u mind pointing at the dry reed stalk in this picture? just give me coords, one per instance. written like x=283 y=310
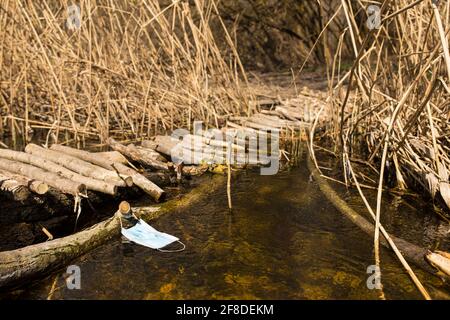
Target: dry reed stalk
x=132 y=66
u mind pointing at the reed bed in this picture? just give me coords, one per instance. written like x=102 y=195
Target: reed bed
x=128 y=69
x=391 y=108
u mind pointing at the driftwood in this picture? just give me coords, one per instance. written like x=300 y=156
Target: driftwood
x=52 y=179
x=138 y=179
x=79 y=166
x=138 y=155
x=37 y=161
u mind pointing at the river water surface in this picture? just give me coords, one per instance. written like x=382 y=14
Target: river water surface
x=282 y=240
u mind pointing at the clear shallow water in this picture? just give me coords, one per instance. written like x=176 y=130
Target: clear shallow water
x=283 y=240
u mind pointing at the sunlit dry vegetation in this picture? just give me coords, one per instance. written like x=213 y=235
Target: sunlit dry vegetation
x=132 y=68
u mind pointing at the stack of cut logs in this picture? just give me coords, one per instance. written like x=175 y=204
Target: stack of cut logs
x=74 y=172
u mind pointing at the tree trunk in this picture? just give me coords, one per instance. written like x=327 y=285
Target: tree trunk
x=18 y=266
x=25 y=264
x=112 y=156
x=146 y=185
x=52 y=179
x=138 y=155
x=162 y=144
x=77 y=165
x=102 y=161
x=90 y=183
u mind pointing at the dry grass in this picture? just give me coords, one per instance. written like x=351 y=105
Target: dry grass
x=392 y=108
x=133 y=68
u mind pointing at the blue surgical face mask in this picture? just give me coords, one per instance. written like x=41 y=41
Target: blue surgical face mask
x=147 y=236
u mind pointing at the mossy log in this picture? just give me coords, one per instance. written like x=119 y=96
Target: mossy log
x=18 y=266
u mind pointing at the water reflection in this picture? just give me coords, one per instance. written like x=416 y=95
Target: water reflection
x=283 y=240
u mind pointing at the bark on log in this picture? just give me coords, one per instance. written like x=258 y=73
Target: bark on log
x=112 y=156
x=37 y=161
x=35 y=186
x=13 y=189
x=77 y=165
x=93 y=158
x=151 y=153
x=162 y=144
x=146 y=185
x=137 y=155
x=142 y=182
x=52 y=179
x=22 y=265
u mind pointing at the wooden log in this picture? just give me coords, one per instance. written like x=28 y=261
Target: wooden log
x=151 y=153
x=412 y=252
x=104 y=162
x=146 y=185
x=52 y=179
x=212 y=143
x=13 y=189
x=23 y=265
x=77 y=165
x=440 y=260
x=142 y=182
x=111 y=156
x=162 y=144
x=35 y=186
x=137 y=155
x=248 y=131
x=90 y=183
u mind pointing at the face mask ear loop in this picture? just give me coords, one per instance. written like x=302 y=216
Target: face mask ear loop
x=174 y=251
